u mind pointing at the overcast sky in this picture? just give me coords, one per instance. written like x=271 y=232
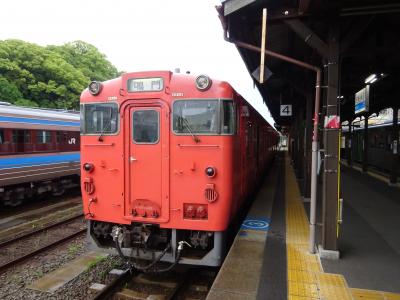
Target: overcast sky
x=136 y=35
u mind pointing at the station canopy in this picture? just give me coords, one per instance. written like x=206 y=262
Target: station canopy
x=369 y=44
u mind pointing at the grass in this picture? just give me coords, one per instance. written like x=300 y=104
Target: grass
x=98 y=259
x=72 y=250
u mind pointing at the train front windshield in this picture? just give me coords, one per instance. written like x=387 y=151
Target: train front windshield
x=207 y=117
x=99 y=118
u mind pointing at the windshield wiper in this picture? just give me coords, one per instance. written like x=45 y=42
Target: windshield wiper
x=187 y=125
x=105 y=128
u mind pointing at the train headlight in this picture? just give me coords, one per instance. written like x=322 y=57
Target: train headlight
x=88 y=167
x=203 y=82
x=95 y=87
x=210 y=172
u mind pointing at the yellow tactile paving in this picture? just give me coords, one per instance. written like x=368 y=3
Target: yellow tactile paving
x=306 y=278
x=303 y=289
x=391 y=296
x=333 y=286
x=360 y=294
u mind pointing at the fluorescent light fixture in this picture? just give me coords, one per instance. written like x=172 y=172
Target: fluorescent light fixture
x=373 y=80
x=370 y=78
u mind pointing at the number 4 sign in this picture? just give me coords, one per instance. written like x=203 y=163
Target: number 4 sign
x=286 y=110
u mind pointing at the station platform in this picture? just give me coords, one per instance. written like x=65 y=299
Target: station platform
x=273 y=262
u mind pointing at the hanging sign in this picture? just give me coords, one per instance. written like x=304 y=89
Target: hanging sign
x=362 y=101
x=286 y=110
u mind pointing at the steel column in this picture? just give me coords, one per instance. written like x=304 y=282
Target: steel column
x=331 y=146
x=350 y=144
x=395 y=146
x=307 y=153
x=365 y=145
x=300 y=132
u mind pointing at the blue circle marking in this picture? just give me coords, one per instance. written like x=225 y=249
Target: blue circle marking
x=255 y=224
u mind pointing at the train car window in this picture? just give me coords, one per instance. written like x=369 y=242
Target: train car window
x=228 y=117
x=196 y=117
x=146 y=126
x=21 y=136
x=1 y=136
x=58 y=137
x=14 y=136
x=43 y=137
x=27 y=136
x=99 y=118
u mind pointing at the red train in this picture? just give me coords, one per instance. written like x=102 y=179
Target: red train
x=168 y=160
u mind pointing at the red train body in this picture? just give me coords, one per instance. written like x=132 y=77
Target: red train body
x=168 y=158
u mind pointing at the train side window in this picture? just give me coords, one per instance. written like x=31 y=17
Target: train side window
x=145 y=126
x=1 y=136
x=58 y=137
x=27 y=136
x=14 y=137
x=43 y=137
x=228 y=117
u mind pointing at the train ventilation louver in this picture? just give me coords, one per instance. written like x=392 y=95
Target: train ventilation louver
x=210 y=193
x=88 y=186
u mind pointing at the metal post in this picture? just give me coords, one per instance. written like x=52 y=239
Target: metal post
x=395 y=146
x=307 y=164
x=365 y=144
x=350 y=143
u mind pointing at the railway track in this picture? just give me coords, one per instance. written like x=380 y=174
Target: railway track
x=15 y=250
x=191 y=284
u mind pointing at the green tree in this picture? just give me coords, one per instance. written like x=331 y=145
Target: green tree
x=9 y=91
x=88 y=59
x=52 y=76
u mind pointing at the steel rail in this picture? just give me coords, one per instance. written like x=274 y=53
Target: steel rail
x=115 y=285
x=37 y=251
x=33 y=232
x=111 y=288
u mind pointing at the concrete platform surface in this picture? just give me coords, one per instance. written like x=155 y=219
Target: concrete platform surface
x=239 y=275
x=56 y=279
x=369 y=242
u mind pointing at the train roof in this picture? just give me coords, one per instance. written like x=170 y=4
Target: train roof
x=41 y=113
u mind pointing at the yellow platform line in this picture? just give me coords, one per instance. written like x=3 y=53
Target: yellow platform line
x=306 y=278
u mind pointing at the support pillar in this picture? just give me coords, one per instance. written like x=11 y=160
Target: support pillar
x=307 y=152
x=350 y=144
x=395 y=146
x=365 y=145
x=331 y=146
x=300 y=132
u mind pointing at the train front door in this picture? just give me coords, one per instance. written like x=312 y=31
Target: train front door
x=148 y=170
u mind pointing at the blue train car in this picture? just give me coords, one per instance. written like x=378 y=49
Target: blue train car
x=39 y=152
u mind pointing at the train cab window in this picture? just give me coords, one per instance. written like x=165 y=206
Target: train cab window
x=99 y=118
x=228 y=117
x=43 y=137
x=196 y=117
x=146 y=126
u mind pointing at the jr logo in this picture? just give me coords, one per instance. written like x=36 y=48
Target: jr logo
x=72 y=141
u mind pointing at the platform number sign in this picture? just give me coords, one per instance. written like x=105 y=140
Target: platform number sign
x=286 y=110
